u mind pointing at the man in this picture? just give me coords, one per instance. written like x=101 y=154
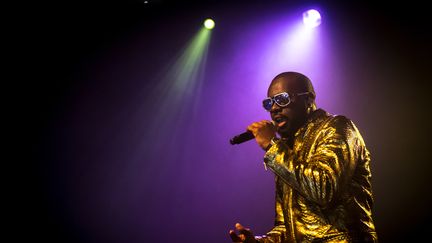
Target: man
x=321 y=167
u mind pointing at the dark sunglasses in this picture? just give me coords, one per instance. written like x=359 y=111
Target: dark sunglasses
x=282 y=99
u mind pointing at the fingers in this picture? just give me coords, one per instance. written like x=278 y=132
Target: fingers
x=239 y=227
x=234 y=236
x=237 y=238
x=245 y=234
x=254 y=127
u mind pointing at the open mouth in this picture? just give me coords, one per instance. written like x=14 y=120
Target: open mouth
x=280 y=121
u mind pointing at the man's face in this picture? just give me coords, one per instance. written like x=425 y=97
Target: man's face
x=290 y=118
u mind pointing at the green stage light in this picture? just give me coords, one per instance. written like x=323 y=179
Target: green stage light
x=178 y=90
x=209 y=24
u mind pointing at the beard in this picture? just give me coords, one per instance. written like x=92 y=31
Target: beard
x=289 y=129
x=286 y=130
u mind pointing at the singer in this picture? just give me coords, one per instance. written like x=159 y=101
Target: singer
x=321 y=167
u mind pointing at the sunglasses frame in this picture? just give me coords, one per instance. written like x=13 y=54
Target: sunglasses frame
x=272 y=99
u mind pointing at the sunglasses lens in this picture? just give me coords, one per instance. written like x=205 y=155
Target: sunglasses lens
x=267 y=104
x=282 y=99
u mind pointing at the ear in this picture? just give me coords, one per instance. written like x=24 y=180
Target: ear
x=311 y=96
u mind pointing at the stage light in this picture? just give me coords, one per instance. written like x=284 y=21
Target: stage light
x=178 y=90
x=209 y=24
x=311 y=18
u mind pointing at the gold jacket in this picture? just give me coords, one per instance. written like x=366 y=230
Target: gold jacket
x=323 y=184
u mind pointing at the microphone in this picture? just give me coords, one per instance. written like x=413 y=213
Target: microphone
x=242 y=137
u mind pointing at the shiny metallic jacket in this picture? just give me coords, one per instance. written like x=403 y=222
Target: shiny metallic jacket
x=323 y=184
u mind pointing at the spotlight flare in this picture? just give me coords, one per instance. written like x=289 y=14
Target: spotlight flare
x=311 y=18
x=209 y=24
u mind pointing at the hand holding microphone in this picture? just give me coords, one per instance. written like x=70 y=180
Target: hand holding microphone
x=262 y=131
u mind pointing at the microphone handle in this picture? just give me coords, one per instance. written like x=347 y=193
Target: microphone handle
x=243 y=137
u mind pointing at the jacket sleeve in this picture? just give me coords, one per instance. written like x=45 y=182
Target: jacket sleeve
x=318 y=174
x=277 y=234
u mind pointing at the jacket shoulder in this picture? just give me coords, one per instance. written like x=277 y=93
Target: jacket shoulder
x=340 y=121
x=341 y=125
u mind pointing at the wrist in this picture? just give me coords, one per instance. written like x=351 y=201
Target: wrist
x=272 y=142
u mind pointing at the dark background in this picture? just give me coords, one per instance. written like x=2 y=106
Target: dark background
x=73 y=85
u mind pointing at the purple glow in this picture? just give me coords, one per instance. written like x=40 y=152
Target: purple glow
x=126 y=166
x=131 y=180
x=311 y=18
